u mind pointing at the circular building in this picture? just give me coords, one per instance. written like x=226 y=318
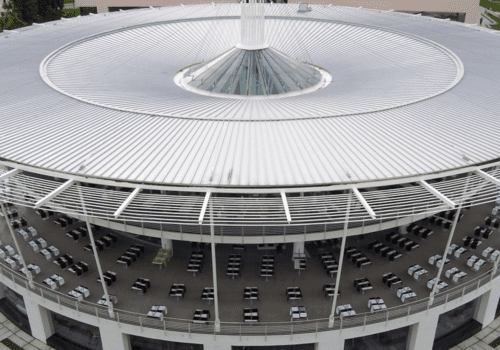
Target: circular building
x=250 y=176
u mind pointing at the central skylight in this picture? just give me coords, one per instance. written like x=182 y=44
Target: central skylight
x=252 y=68
x=252 y=73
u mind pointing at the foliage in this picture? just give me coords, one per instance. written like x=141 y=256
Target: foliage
x=71 y=12
x=50 y=10
x=493 y=5
x=28 y=9
x=10 y=19
x=496 y=26
x=32 y=11
x=11 y=345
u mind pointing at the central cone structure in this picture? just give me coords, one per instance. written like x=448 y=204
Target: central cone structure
x=253 y=73
x=252 y=67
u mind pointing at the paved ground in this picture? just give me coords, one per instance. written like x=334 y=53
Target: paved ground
x=19 y=337
x=482 y=339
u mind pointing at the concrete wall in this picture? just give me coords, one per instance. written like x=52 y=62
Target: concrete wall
x=469 y=7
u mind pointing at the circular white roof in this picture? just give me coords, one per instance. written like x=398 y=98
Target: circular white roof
x=133 y=69
x=108 y=107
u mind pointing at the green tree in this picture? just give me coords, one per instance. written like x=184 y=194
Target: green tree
x=10 y=19
x=37 y=11
x=27 y=9
x=50 y=10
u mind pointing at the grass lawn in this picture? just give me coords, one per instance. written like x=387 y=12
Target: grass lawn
x=496 y=26
x=495 y=6
x=71 y=12
x=9 y=344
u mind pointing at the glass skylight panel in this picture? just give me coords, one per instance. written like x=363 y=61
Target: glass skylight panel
x=254 y=73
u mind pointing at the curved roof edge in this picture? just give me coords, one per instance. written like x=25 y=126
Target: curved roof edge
x=249 y=189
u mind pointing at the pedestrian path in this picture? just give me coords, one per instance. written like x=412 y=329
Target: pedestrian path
x=19 y=337
x=482 y=339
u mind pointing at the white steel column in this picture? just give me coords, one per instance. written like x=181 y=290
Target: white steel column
x=486 y=307
x=98 y=263
x=41 y=324
x=217 y=346
x=495 y=268
x=96 y=257
x=450 y=237
x=253 y=26
x=298 y=248
x=28 y=273
x=167 y=244
x=421 y=335
x=402 y=229
x=341 y=260
x=113 y=338
x=214 y=269
x=334 y=343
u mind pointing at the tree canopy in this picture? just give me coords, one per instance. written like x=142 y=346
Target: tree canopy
x=25 y=12
x=10 y=19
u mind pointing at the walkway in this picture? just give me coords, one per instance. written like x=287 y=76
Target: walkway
x=482 y=340
x=13 y=333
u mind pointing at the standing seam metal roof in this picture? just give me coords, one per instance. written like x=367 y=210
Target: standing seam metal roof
x=288 y=142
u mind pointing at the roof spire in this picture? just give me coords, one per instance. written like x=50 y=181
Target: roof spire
x=253 y=26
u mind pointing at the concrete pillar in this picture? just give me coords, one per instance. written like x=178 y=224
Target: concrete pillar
x=422 y=334
x=41 y=324
x=113 y=338
x=486 y=307
x=402 y=229
x=3 y=288
x=334 y=343
x=167 y=244
x=217 y=346
x=298 y=248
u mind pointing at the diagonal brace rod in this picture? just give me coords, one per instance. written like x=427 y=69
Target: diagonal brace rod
x=287 y=209
x=437 y=194
x=365 y=204
x=54 y=193
x=127 y=201
x=204 y=207
x=488 y=177
x=9 y=174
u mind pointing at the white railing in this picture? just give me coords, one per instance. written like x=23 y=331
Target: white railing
x=240 y=328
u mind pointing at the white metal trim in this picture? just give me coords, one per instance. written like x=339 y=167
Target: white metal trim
x=244 y=189
x=54 y=193
x=487 y=176
x=287 y=209
x=9 y=174
x=204 y=207
x=365 y=204
x=124 y=205
x=438 y=194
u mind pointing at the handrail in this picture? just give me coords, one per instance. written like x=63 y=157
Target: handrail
x=241 y=328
